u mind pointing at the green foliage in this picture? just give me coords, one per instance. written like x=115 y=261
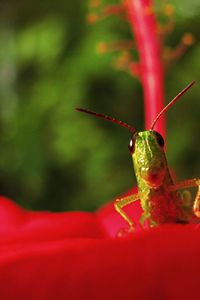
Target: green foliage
x=52 y=157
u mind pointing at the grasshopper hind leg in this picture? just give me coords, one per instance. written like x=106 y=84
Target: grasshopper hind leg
x=196 y=206
x=187 y=184
x=187 y=199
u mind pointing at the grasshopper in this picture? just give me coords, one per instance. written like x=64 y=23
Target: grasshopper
x=159 y=196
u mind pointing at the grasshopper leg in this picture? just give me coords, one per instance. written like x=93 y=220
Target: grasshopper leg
x=147 y=217
x=186 y=184
x=120 y=203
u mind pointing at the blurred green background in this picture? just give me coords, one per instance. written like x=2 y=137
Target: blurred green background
x=54 y=158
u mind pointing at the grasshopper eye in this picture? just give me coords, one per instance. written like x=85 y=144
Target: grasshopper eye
x=159 y=139
x=131 y=145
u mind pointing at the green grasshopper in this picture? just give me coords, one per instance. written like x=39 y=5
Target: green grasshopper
x=160 y=200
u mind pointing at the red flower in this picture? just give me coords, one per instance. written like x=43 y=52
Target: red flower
x=76 y=256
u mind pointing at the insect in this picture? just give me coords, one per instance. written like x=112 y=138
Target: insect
x=160 y=197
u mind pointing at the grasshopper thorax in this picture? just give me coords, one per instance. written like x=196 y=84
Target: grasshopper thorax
x=149 y=159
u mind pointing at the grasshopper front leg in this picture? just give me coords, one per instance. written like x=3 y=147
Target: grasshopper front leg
x=187 y=184
x=120 y=203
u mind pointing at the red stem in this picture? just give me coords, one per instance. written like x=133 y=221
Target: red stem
x=143 y=23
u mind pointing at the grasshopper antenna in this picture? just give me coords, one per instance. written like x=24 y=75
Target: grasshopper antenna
x=113 y=120
x=172 y=103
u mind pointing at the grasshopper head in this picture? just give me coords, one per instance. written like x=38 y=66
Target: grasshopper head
x=149 y=159
x=146 y=147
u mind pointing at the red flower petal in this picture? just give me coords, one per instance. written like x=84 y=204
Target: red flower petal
x=68 y=256
x=19 y=223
